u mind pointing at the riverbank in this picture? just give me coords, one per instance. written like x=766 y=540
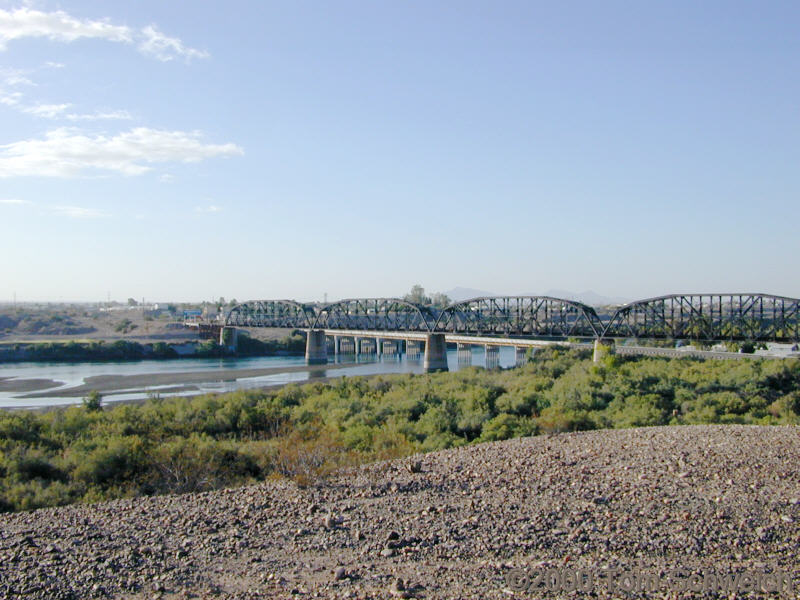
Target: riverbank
x=111 y=383
x=71 y=351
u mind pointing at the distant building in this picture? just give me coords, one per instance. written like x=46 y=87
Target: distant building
x=192 y=316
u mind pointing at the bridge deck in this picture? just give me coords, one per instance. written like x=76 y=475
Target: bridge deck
x=451 y=338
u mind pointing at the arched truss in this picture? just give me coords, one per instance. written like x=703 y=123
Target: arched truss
x=709 y=317
x=271 y=313
x=521 y=315
x=376 y=314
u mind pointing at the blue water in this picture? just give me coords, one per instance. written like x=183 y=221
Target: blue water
x=72 y=374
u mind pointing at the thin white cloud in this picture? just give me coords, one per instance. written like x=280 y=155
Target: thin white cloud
x=164 y=48
x=77 y=212
x=16 y=77
x=61 y=27
x=207 y=209
x=48 y=111
x=117 y=115
x=18 y=80
x=56 y=111
x=10 y=98
x=59 y=210
x=56 y=26
x=54 y=65
x=166 y=178
x=65 y=153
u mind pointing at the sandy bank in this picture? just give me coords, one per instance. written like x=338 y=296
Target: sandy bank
x=108 y=384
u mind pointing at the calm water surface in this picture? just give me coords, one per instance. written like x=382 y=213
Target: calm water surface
x=72 y=374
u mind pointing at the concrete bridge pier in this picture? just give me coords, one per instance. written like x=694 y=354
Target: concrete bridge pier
x=412 y=348
x=337 y=345
x=378 y=347
x=435 y=353
x=521 y=354
x=229 y=338
x=492 y=356
x=464 y=354
x=316 y=347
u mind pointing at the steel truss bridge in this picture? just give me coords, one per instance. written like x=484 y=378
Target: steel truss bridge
x=698 y=317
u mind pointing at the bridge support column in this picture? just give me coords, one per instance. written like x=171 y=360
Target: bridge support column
x=521 y=353
x=378 y=349
x=316 y=348
x=412 y=349
x=337 y=345
x=229 y=338
x=435 y=353
x=492 y=356
x=464 y=354
x=602 y=348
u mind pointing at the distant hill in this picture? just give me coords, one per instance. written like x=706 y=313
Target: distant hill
x=589 y=297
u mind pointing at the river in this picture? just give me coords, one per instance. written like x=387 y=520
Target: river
x=187 y=376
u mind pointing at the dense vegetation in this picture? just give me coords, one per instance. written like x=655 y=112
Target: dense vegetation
x=73 y=351
x=91 y=452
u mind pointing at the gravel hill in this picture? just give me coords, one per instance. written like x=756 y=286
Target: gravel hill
x=451 y=524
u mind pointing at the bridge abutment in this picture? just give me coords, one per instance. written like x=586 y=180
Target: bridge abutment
x=229 y=338
x=435 y=353
x=316 y=347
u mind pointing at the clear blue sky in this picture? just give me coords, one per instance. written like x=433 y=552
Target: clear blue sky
x=189 y=150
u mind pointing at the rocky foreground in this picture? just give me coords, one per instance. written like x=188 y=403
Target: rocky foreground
x=653 y=512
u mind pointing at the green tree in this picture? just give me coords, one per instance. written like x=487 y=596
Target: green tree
x=417 y=295
x=440 y=300
x=93 y=402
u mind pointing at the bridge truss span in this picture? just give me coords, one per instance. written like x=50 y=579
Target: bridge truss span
x=753 y=317
x=375 y=314
x=543 y=316
x=272 y=313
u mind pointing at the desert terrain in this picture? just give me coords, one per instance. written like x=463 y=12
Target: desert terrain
x=673 y=504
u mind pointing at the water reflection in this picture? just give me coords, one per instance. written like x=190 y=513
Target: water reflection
x=365 y=364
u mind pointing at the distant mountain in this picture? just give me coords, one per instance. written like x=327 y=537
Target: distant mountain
x=589 y=297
